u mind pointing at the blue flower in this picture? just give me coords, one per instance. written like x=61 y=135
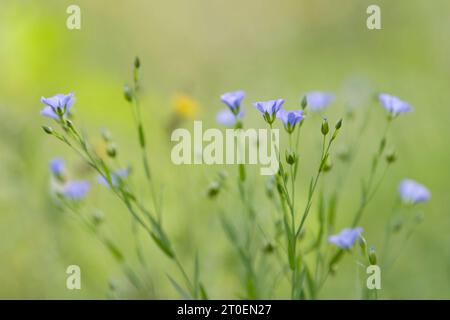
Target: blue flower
x=269 y=109
x=58 y=104
x=290 y=118
x=75 y=190
x=57 y=166
x=393 y=104
x=233 y=100
x=346 y=238
x=317 y=100
x=116 y=177
x=227 y=118
x=413 y=192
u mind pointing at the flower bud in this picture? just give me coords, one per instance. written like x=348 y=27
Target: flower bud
x=213 y=189
x=269 y=247
x=47 y=130
x=111 y=150
x=372 y=256
x=328 y=165
x=304 y=102
x=325 y=128
x=391 y=156
x=69 y=124
x=137 y=62
x=338 y=124
x=291 y=157
x=128 y=93
x=363 y=244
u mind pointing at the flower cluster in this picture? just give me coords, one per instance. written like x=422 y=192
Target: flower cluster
x=291 y=239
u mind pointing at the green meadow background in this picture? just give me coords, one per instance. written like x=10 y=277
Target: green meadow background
x=200 y=49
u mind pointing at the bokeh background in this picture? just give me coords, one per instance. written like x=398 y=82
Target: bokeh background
x=191 y=52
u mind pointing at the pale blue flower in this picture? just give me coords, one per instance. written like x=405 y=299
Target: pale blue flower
x=393 y=104
x=318 y=100
x=227 y=118
x=56 y=166
x=413 y=192
x=75 y=190
x=116 y=177
x=290 y=118
x=233 y=100
x=346 y=238
x=269 y=109
x=61 y=103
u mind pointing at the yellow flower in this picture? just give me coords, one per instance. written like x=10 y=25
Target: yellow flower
x=184 y=105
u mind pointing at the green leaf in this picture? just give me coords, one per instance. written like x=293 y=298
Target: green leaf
x=203 y=293
x=141 y=135
x=196 y=277
x=183 y=293
x=114 y=250
x=163 y=246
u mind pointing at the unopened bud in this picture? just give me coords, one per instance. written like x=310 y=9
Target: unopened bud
x=338 y=125
x=372 y=256
x=47 y=130
x=137 y=63
x=391 y=157
x=325 y=128
x=304 y=102
x=328 y=165
x=269 y=247
x=291 y=157
x=128 y=94
x=213 y=189
x=111 y=150
x=69 y=124
x=363 y=244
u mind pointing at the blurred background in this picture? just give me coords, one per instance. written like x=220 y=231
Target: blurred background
x=192 y=52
